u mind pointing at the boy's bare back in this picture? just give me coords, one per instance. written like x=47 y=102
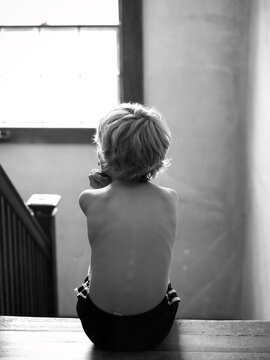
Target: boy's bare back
x=131 y=229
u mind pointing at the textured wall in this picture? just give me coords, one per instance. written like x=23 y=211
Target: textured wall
x=256 y=294
x=195 y=63
x=195 y=56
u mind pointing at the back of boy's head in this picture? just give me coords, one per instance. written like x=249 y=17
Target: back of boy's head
x=132 y=141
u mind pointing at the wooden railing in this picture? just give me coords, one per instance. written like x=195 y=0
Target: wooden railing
x=27 y=255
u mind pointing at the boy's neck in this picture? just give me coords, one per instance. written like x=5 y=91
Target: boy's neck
x=129 y=183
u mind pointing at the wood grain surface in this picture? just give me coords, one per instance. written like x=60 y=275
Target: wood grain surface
x=63 y=338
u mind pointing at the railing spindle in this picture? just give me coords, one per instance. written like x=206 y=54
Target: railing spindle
x=10 y=261
x=2 y=275
x=20 y=265
x=16 y=262
x=5 y=258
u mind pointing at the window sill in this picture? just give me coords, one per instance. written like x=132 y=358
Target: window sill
x=47 y=135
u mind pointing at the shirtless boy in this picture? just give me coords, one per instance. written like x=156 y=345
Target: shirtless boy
x=127 y=302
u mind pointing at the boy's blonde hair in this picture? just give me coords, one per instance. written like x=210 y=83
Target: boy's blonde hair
x=132 y=141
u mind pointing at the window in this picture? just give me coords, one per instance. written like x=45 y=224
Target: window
x=63 y=63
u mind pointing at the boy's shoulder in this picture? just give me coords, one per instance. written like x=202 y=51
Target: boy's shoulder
x=167 y=192
x=90 y=196
x=170 y=191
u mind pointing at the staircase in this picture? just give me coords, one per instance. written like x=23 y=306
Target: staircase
x=27 y=252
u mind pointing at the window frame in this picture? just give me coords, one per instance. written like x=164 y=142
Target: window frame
x=130 y=81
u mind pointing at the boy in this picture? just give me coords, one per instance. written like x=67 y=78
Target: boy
x=128 y=303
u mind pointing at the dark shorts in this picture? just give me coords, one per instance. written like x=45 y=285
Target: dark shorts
x=128 y=332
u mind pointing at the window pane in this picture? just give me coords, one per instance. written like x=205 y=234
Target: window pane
x=57 y=78
x=59 y=12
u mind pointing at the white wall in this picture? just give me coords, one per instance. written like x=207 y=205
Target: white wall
x=195 y=66
x=256 y=295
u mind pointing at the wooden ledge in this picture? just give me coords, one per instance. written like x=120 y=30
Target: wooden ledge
x=52 y=338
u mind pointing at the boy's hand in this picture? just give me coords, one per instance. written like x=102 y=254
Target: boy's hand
x=98 y=180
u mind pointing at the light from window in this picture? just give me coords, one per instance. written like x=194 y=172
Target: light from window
x=59 y=12
x=57 y=76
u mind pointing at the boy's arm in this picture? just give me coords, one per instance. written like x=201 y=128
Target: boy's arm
x=97 y=180
x=175 y=200
x=173 y=194
x=84 y=200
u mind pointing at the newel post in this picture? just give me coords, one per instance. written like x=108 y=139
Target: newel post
x=44 y=208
